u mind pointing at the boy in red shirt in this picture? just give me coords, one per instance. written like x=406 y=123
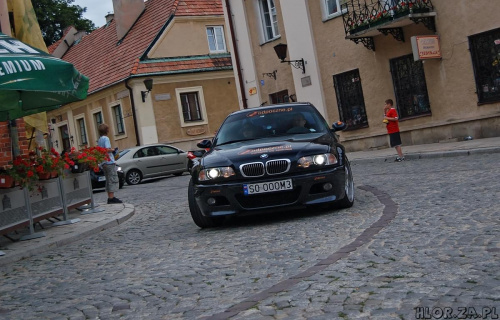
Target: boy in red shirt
x=391 y=120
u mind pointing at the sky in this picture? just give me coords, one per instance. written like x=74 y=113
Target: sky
x=96 y=10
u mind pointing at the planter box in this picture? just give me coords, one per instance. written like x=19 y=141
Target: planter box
x=6 y=182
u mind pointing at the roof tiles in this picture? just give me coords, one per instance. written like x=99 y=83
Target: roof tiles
x=101 y=57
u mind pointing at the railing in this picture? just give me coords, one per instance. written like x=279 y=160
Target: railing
x=365 y=14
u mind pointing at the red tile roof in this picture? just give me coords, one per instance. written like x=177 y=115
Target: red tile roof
x=186 y=64
x=100 y=57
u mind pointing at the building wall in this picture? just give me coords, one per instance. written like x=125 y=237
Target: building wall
x=220 y=99
x=450 y=80
x=101 y=101
x=176 y=44
x=451 y=87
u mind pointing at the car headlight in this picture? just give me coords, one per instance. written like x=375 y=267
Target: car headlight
x=215 y=173
x=317 y=160
x=118 y=168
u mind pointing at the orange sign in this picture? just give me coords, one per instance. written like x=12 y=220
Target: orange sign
x=252 y=91
x=426 y=47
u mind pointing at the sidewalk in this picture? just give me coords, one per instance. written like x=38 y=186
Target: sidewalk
x=113 y=215
x=433 y=150
x=58 y=236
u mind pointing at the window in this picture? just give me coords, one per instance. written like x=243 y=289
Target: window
x=410 y=87
x=350 y=99
x=215 y=37
x=190 y=106
x=269 y=19
x=118 y=117
x=97 y=121
x=332 y=8
x=82 y=132
x=485 y=52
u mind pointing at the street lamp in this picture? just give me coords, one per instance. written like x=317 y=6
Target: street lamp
x=148 y=83
x=280 y=50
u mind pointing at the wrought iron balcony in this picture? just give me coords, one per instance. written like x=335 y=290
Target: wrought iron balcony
x=364 y=19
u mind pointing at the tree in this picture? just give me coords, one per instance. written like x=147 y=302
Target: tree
x=54 y=16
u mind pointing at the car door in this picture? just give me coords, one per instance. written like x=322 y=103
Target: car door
x=145 y=161
x=175 y=160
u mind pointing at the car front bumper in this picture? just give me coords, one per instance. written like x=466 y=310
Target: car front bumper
x=308 y=189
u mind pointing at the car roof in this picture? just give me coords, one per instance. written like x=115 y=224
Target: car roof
x=274 y=106
x=149 y=145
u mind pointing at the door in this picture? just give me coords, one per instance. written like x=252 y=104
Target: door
x=173 y=159
x=350 y=99
x=279 y=97
x=64 y=134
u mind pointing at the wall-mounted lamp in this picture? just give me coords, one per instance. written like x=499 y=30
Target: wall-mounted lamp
x=53 y=120
x=71 y=139
x=148 y=83
x=281 y=53
x=271 y=74
x=56 y=143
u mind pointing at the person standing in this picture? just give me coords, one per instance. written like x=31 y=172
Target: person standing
x=392 y=123
x=109 y=166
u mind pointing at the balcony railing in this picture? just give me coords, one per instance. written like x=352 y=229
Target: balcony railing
x=362 y=15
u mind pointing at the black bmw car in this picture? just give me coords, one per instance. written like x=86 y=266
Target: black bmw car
x=269 y=158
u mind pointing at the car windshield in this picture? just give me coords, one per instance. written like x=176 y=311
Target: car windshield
x=266 y=123
x=121 y=153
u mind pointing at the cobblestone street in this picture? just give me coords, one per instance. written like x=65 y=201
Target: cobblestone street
x=422 y=233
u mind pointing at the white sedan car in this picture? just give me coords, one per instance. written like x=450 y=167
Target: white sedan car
x=151 y=161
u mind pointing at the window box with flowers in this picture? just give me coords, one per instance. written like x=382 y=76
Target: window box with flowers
x=27 y=170
x=85 y=159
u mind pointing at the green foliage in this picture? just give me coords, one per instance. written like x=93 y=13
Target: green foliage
x=56 y=15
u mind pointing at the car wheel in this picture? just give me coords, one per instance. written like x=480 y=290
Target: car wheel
x=133 y=177
x=348 y=199
x=198 y=218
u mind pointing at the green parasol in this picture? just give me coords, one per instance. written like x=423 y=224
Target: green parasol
x=32 y=81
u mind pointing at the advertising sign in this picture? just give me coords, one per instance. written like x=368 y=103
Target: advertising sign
x=426 y=47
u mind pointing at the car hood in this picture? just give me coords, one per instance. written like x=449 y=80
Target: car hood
x=292 y=147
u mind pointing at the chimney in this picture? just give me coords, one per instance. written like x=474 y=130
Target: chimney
x=126 y=13
x=109 y=17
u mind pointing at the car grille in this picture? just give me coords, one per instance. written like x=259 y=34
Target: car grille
x=256 y=169
x=277 y=166
x=268 y=199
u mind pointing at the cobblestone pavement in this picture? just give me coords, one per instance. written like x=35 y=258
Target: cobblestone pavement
x=422 y=233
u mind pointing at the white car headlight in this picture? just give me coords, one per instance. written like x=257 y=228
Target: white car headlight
x=214 y=173
x=318 y=160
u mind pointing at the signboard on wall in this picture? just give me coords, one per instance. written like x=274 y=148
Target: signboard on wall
x=426 y=47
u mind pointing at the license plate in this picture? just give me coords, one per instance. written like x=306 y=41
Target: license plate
x=264 y=187
x=102 y=178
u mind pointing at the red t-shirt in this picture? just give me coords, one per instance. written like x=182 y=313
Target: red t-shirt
x=392 y=126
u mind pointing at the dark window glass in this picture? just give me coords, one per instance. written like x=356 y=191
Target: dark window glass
x=350 y=100
x=117 y=110
x=83 y=133
x=190 y=106
x=410 y=87
x=485 y=52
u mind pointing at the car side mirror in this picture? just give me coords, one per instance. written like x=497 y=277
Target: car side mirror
x=204 y=144
x=339 y=126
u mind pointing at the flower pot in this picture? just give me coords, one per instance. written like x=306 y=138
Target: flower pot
x=44 y=176
x=6 y=181
x=79 y=167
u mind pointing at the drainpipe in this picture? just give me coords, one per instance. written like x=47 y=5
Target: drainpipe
x=236 y=56
x=136 y=129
